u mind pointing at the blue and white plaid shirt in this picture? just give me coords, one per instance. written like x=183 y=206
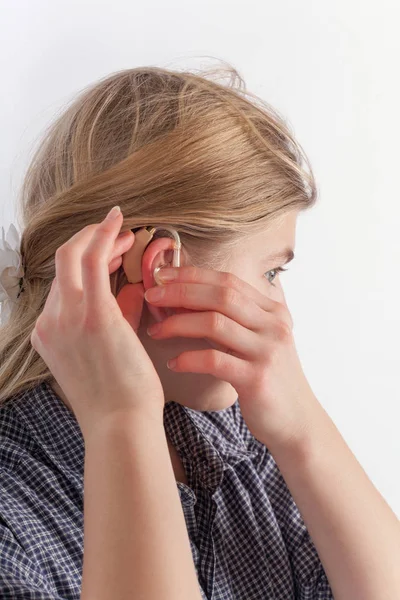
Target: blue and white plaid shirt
x=247 y=536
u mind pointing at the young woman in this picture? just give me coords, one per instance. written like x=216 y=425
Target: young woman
x=220 y=476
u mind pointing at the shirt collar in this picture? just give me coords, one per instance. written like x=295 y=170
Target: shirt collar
x=210 y=440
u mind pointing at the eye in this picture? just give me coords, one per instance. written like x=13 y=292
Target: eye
x=275 y=272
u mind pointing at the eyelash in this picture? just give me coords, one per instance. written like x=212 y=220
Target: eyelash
x=278 y=270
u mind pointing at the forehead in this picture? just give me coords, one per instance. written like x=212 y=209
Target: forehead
x=279 y=233
x=258 y=249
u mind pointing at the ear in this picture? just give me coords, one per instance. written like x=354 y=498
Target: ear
x=158 y=253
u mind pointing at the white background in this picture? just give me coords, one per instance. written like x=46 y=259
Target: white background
x=331 y=68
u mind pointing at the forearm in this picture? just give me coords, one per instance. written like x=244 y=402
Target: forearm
x=135 y=538
x=355 y=532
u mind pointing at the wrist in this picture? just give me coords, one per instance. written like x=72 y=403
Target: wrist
x=124 y=421
x=315 y=431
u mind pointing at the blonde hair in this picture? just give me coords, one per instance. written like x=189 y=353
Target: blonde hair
x=170 y=147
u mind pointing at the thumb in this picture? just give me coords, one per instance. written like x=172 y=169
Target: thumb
x=130 y=300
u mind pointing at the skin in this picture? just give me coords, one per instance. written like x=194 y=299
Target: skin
x=202 y=391
x=87 y=337
x=250 y=322
x=255 y=265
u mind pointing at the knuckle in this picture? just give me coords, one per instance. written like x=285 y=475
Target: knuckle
x=33 y=339
x=282 y=330
x=283 y=314
x=105 y=225
x=226 y=295
x=39 y=325
x=214 y=360
x=63 y=252
x=90 y=227
x=228 y=279
x=183 y=292
x=217 y=321
x=39 y=330
x=90 y=259
x=192 y=273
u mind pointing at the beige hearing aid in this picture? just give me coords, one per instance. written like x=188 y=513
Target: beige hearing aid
x=132 y=260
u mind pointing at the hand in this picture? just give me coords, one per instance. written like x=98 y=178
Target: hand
x=257 y=357
x=88 y=338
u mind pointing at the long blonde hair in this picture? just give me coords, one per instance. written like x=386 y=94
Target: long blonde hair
x=170 y=147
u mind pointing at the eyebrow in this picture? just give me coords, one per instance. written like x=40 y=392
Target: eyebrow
x=286 y=254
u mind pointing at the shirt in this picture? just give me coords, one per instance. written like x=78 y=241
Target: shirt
x=247 y=536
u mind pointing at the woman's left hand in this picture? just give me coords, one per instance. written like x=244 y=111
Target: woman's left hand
x=258 y=356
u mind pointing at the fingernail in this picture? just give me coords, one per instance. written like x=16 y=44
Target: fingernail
x=171 y=363
x=154 y=328
x=167 y=274
x=154 y=294
x=114 y=212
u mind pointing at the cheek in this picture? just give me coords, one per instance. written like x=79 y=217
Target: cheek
x=275 y=293
x=279 y=293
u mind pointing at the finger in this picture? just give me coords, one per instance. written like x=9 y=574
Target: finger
x=95 y=260
x=235 y=371
x=225 y=300
x=122 y=244
x=191 y=274
x=68 y=262
x=212 y=325
x=114 y=264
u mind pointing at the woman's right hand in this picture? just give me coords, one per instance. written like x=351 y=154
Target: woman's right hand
x=88 y=338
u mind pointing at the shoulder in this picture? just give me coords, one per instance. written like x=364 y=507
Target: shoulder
x=19 y=468
x=16 y=440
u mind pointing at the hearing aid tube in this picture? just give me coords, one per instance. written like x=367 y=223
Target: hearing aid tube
x=132 y=259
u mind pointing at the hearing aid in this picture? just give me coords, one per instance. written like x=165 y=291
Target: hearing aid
x=132 y=259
